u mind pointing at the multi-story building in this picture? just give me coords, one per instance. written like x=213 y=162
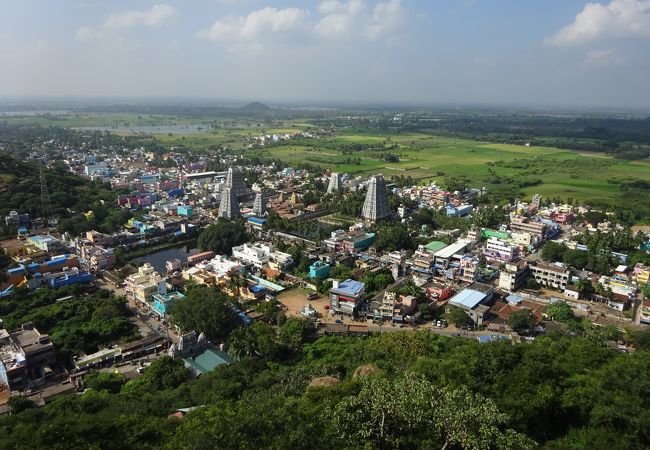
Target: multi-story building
x=162 y=303
x=550 y=275
x=346 y=296
x=500 y=250
x=514 y=275
x=142 y=285
x=260 y=255
x=350 y=241
x=26 y=357
x=422 y=260
x=524 y=224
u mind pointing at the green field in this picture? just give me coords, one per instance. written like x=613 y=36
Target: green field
x=563 y=173
x=549 y=171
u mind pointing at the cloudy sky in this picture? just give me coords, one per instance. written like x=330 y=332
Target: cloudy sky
x=532 y=52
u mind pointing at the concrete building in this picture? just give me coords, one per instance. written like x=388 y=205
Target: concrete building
x=229 y=204
x=260 y=255
x=46 y=243
x=500 y=250
x=319 y=269
x=474 y=301
x=26 y=357
x=334 y=183
x=350 y=241
x=346 y=296
x=524 y=224
x=514 y=275
x=162 y=303
x=550 y=275
x=142 y=285
x=376 y=206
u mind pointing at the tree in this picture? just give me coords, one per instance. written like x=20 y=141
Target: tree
x=470 y=421
x=521 y=320
x=294 y=332
x=19 y=403
x=163 y=373
x=222 y=236
x=208 y=310
x=394 y=237
x=563 y=313
x=553 y=251
x=260 y=339
x=458 y=317
x=104 y=381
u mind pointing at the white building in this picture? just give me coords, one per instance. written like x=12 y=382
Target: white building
x=260 y=255
x=501 y=250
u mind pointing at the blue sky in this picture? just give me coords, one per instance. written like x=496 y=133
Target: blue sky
x=521 y=52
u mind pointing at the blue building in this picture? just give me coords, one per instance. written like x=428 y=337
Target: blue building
x=162 y=303
x=185 y=210
x=319 y=270
x=71 y=278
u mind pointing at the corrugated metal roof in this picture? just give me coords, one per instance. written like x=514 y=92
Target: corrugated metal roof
x=467 y=298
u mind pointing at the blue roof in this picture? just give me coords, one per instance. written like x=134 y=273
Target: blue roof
x=467 y=298
x=257 y=288
x=257 y=220
x=350 y=287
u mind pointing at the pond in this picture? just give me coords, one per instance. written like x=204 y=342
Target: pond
x=159 y=258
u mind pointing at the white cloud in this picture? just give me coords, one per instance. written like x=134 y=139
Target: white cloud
x=619 y=18
x=157 y=16
x=337 y=19
x=603 y=58
x=386 y=17
x=262 y=24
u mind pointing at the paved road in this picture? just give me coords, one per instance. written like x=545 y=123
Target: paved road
x=140 y=315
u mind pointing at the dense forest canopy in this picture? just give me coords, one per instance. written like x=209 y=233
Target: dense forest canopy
x=558 y=392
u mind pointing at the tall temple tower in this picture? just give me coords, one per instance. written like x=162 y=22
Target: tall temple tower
x=376 y=206
x=235 y=181
x=335 y=183
x=259 y=206
x=229 y=205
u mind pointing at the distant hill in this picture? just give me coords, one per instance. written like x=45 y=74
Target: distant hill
x=255 y=107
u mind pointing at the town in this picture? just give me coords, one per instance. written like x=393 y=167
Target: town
x=346 y=254
x=328 y=224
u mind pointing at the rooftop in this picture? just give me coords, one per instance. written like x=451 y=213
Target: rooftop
x=208 y=360
x=452 y=249
x=470 y=297
x=349 y=287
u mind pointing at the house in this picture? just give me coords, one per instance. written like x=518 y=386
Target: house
x=550 y=275
x=473 y=300
x=26 y=357
x=459 y=211
x=346 y=296
x=46 y=243
x=514 y=275
x=162 y=303
x=319 y=269
x=260 y=254
x=500 y=250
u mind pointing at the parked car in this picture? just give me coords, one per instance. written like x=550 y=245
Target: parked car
x=312 y=296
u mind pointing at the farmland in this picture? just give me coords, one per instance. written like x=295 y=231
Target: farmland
x=506 y=168
x=553 y=172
